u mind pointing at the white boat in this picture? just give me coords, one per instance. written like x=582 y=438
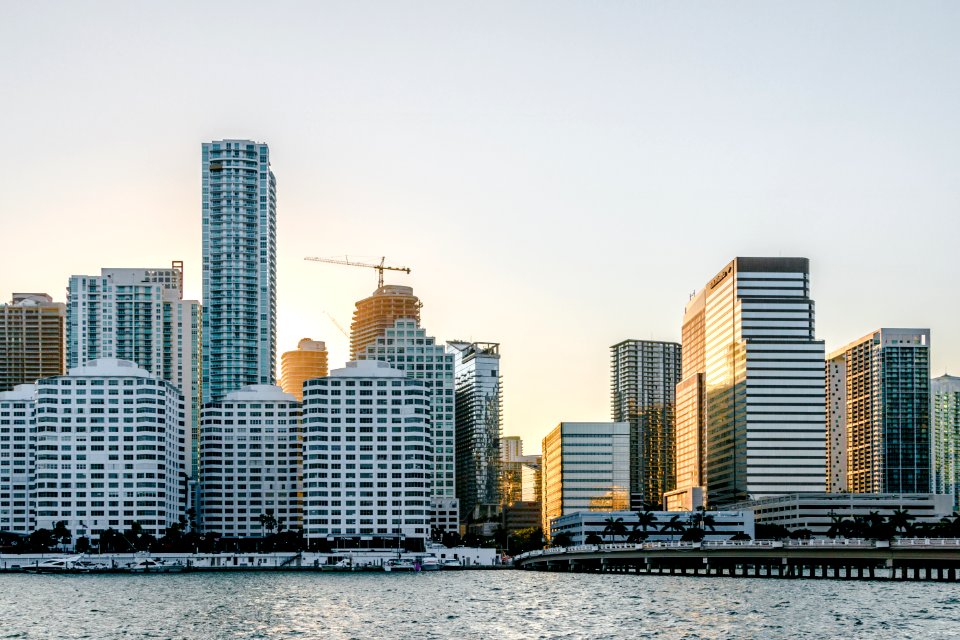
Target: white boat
x=429 y=563
x=59 y=564
x=155 y=565
x=451 y=564
x=399 y=565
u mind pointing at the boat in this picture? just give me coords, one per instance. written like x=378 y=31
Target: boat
x=61 y=564
x=450 y=564
x=429 y=563
x=399 y=565
x=155 y=565
x=342 y=565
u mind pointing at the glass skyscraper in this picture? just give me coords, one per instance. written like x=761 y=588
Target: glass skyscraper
x=239 y=267
x=946 y=436
x=644 y=376
x=753 y=384
x=879 y=413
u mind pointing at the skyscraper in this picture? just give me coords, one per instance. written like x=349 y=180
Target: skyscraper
x=407 y=347
x=18 y=433
x=879 y=413
x=752 y=392
x=946 y=436
x=307 y=362
x=478 y=423
x=139 y=315
x=239 y=267
x=376 y=314
x=31 y=339
x=585 y=467
x=644 y=376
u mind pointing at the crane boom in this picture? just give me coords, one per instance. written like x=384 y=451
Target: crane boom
x=350 y=263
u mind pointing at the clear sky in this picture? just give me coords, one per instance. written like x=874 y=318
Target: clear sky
x=559 y=175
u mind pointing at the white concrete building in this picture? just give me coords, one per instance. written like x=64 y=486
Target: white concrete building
x=17 y=434
x=407 y=347
x=367 y=459
x=110 y=450
x=717 y=525
x=945 y=392
x=250 y=461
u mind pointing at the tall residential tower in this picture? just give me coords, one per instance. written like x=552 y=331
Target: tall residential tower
x=946 y=436
x=31 y=339
x=307 y=362
x=239 y=267
x=376 y=314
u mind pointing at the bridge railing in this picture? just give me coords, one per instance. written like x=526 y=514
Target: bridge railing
x=926 y=542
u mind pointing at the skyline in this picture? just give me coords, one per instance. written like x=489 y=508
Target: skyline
x=853 y=139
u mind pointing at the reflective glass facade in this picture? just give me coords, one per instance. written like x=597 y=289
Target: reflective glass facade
x=239 y=267
x=883 y=422
x=946 y=436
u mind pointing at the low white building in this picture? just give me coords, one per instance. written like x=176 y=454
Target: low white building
x=815 y=511
x=367 y=454
x=17 y=434
x=111 y=450
x=250 y=462
x=663 y=526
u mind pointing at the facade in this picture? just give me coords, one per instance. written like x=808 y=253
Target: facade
x=521 y=515
x=407 y=347
x=723 y=525
x=879 y=413
x=750 y=332
x=110 y=450
x=945 y=391
x=478 y=423
x=690 y=428
x=250 y=462
x=512 y=460
x=139 y=315
x=367 y=454
x=586 y=467
x=31 y=339
x=531 y=481
x=239 y=267
x=815 y=511
x=17 y=459
x=644 y=377
x=307 y=362
x=374 y=315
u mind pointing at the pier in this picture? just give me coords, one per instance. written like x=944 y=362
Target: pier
x=933 y=559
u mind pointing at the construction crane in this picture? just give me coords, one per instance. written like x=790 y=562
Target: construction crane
x=336 y=324
x=379 y=267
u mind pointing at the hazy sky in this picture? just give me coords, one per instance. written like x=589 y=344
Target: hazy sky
x=559 y=175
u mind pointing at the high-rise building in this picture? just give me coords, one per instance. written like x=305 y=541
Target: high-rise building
x=31 y=339
x=945 y=391
x=250 y=462
x=750 y=419
x=644 y=377
x=17 y=459
x=367 y=459
x=478 y=423
x=531 y=480
x=512 y=460
x=139 y=315
x=110 y=450
x=239 y=267
x=586 y=467
x=407 y=347
x=307 y=362
x=879 y=413
x=376 y=314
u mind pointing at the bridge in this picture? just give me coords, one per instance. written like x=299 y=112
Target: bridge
x=855 y=559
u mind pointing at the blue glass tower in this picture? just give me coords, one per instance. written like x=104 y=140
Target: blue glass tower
x=239 y=267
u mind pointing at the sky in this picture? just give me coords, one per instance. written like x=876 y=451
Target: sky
x=560 y=176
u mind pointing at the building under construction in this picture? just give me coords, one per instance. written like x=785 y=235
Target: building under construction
x=309 y=361
x=376 y=314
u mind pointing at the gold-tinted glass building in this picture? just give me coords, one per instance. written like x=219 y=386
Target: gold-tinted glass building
x=376 y=314
x=32 y=344
x=307 y=362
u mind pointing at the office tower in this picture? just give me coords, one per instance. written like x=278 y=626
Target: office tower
x=139 y=315
x=367 y=463
x=407 y=347
x=250 y=462
x=531 y=480
x=945 y=391
x=879 y=413
x=512 y=460
x=376 y=314
x=307 y=362
x=31 y=339
x=478 y=423
x=757 y=406
x=110 y=450
x=511 y=448
x=17 y=461
x=586 y=467
x=644 y=377
x=239 y=267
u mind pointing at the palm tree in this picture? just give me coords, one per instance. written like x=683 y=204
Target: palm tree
x=593 y=538
x=561 y=540
x=900 y=519
x=673 y=526
x=646 y=520
x=615 y=527
x=709 y=522
x=836 y=525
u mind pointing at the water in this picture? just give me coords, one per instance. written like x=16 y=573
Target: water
x=469 y=604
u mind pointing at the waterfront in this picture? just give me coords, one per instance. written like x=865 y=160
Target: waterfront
x=501 y=604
